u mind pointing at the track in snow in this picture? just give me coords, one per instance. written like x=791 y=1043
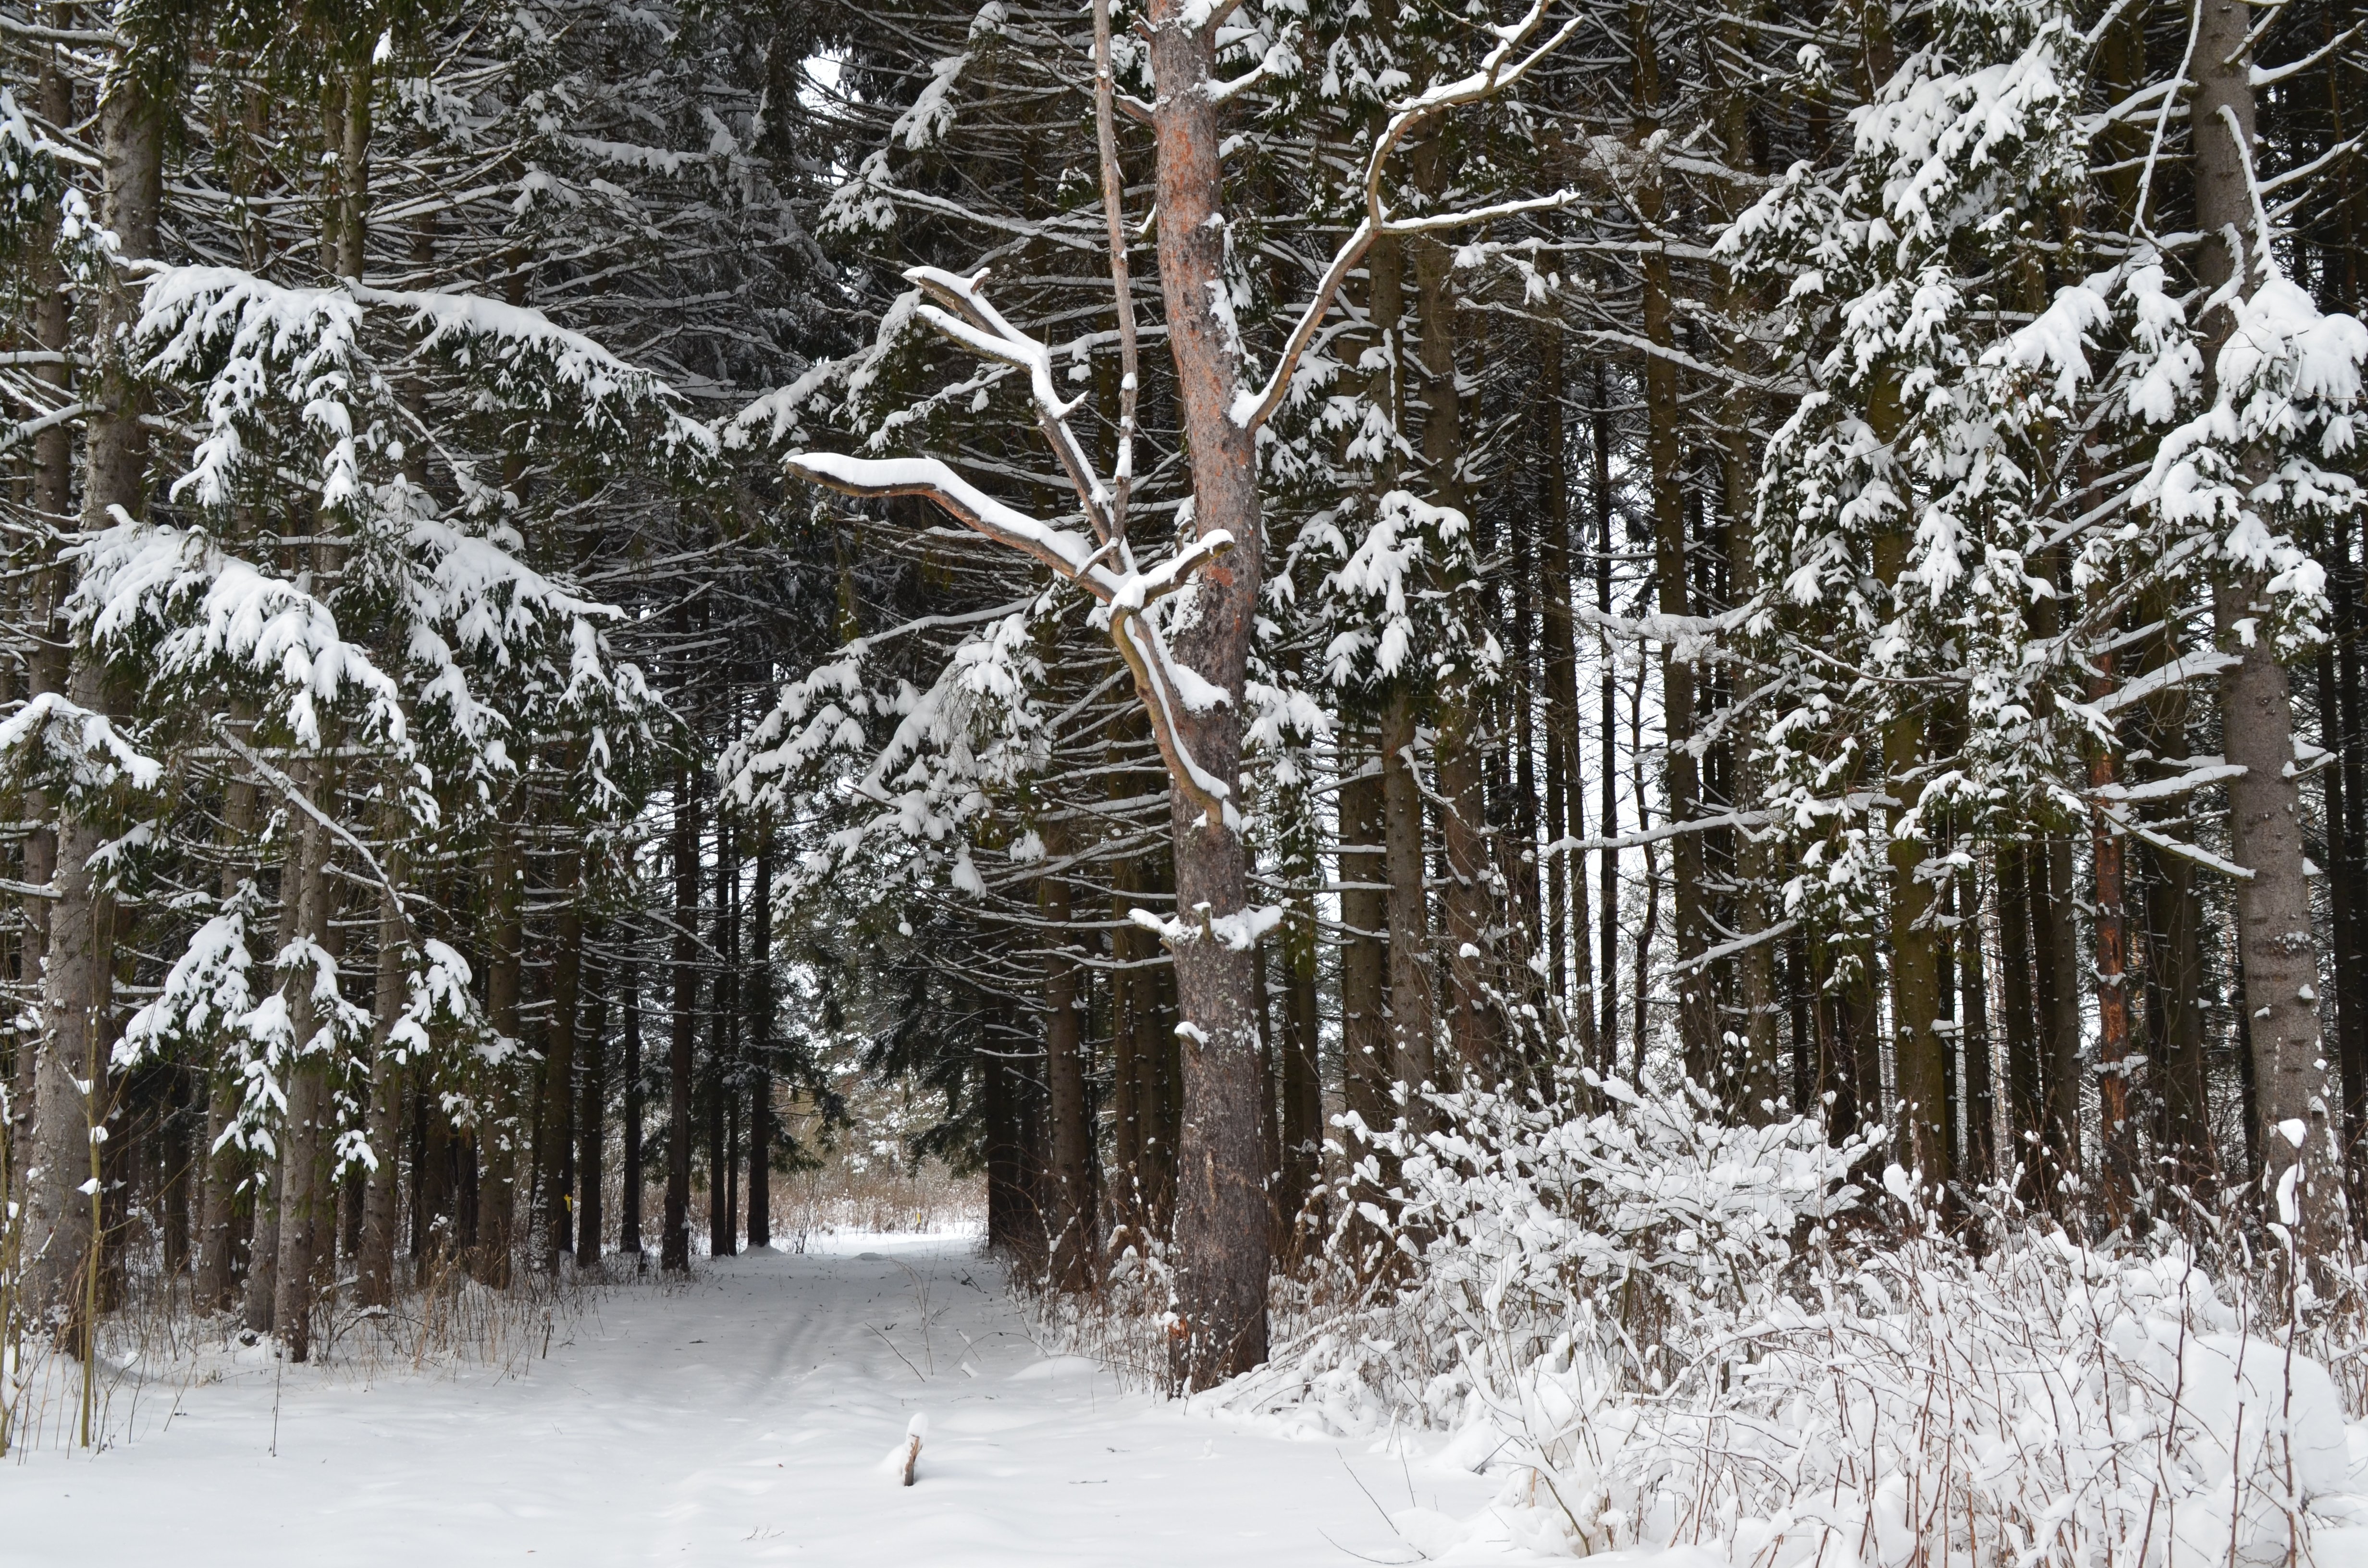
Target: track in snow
x=743 y=1418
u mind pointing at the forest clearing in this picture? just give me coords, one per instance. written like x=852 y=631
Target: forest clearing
x=1184 y=780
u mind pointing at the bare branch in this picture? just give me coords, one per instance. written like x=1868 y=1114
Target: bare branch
x=1497 y=72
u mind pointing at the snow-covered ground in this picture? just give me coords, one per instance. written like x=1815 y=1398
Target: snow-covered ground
x=745 y=1418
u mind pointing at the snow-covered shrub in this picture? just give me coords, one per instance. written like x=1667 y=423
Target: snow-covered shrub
x=1523 y=1224
x=1664 y=1330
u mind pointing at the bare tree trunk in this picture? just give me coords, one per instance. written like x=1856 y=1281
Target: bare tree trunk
x=497 y=1140
x=1607 y=815
x=307 y=1205
x=1366 y=1039
x=591 y=1129
x=1412 y=1032
x=222 y=1165
x=2056 y=948
x=1221 y=1239
x=45 y=655
x=723 y=1097
x=760 y=1049
x=1566 y=782
x=1064 y=1066
x=1981 y=1098
x=1302 y=1066
x=374 y=1270
x=1665 y=451
x=674 y=1240
x=70 y=1090
x=628 y=1196
x=2117 y=1131
x=551 y=1131
x=1466 y=893
x=1917 y=1045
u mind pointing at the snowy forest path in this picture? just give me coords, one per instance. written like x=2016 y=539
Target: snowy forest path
x=742 y=1417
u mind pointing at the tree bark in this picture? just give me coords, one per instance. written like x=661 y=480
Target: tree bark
x=1221 y=1239
x=674 y=1239
x=307 y=1200
x=1665 y=454
x=551 y=1131
x=1607 y=815
x=2302 y=1188
x=1366 y=1038
x=628 y=1196
x=2056 y=945
x=497 y=1140
x=1065 y=1066
x=374 y=1270
x=1566 y=783
x=1413 y=1031
x=724 y=1067
x=760 y=1048
x=591 y=1113
x=1302 y=1066
x=70 y=1091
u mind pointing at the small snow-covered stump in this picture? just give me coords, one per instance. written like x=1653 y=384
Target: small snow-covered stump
x=907 y=1454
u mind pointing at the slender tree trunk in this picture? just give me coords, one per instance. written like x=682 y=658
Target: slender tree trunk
x=1065 y=1066
x=1981 y=1098
x=1129 y=994
x=1607 y=815
x=2348 y=879
x=1220 y=1240
x=1302 y=1065
x=2117 y=1063
x=497 y=1143
x=760 y=1048
x=1366 y=1039
x=628 y=1196
x=1918 y=1049
x=374 y=1270
x=2026 y=1112
x=1665 y=452
x=307 y=1204
x=1412 y=1032
x=1568 y=777
x=45 y=655
x=2055 y=946
x=591 y=1111
x=722 y=1164
x=2273 y=919
x=551 y=1131
x=70 y=1086
x=674 y=1239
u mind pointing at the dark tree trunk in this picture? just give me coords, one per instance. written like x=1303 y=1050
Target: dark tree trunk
x=374 y=1266
x=723 y=1068
x=630 y=1179
x=497 y=1163
x=760 y=1048
x=1072 y=1216
x=1412 y=1032
x=307 y=1201
x=2025 y=1094
x=552 y=1129
x=1607 y=815
x=1365 y=1036
x=1980 y=1165
x=674 y=1240
x=591 y=1111
x=2054 y=944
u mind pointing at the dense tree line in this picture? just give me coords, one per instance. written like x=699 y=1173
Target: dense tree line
x=1809 y=550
